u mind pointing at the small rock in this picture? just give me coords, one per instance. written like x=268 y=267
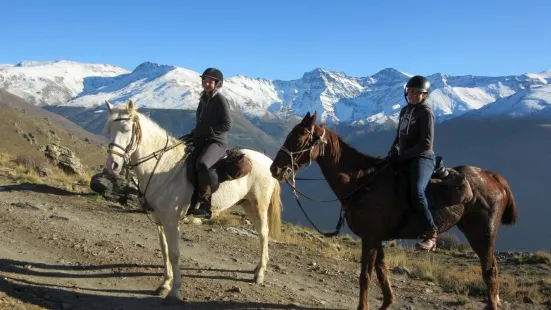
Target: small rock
x=234 y=289
x=528 y=300
x=57 y=217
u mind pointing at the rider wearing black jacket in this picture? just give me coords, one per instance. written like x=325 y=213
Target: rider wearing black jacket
x=413 y=149
x=210 y=137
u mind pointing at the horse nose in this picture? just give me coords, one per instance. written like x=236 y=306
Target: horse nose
x=275 y=170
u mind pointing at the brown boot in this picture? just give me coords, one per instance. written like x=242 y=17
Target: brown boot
x=428 y=243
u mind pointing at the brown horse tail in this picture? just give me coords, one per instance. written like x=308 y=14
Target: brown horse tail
x=274 y=212
x=510 y=214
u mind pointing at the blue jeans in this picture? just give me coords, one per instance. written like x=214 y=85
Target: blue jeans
x=419 y=171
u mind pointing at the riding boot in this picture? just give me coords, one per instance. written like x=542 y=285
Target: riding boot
x=204 y=195
x=428 y=243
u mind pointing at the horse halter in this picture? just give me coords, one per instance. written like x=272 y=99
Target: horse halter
x=294 y=161
x=134 y=140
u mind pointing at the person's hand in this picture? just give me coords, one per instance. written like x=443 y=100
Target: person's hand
x=394 y=156
x=187 y=138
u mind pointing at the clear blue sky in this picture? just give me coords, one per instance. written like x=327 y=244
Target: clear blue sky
x=283 y=39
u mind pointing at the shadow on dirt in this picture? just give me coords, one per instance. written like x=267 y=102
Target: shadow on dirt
x=54 y=296
x=42 y=188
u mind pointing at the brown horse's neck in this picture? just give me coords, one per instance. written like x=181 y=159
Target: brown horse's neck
x=342 y=164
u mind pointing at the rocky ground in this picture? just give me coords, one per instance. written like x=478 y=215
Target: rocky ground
x=61 y=250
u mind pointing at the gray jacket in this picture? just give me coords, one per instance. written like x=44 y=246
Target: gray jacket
x=415 y=133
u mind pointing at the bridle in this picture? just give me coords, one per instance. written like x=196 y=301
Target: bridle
x=294 y=161
x=132 y=146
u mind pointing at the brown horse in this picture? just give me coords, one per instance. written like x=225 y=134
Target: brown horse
x=366 y=187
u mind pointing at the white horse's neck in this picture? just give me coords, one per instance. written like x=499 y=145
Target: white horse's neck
x=154 y=138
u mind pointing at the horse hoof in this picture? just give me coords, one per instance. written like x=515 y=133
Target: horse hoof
x=160 y=291
x=172 y=301
x=258 y=279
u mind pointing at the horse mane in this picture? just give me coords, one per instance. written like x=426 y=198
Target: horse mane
x=151 y=126
x=347 y=156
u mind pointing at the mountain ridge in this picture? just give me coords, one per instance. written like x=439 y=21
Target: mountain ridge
x=338 y=98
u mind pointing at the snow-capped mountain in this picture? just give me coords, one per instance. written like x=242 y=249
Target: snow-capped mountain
x=338 y=98
x=531 y=102
x=52 y=82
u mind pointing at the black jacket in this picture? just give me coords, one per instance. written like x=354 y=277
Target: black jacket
x=415 y=133
x=212 y=119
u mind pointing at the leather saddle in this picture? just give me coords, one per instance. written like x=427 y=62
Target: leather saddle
x=447 y=186
x=231 y=166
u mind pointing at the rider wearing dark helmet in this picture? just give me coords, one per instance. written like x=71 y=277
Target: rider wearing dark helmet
x=210 y=137
x=413 y=150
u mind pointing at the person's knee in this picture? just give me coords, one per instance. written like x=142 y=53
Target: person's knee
x=201 y=166
x=417 y=193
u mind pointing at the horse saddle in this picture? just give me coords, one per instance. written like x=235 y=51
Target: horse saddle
x=446 y=192
x=231 y=166
x=447 y=187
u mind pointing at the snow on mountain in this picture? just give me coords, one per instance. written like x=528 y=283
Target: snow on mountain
x=52 y=82
x=338 y=98
x=534 y=101
x=150 y=85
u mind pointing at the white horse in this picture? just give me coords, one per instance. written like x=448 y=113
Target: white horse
x=134 y=138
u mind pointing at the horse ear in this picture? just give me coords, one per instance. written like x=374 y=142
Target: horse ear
x=314 y=117
x=130 y=106
x=109 y=106
x=306 y=119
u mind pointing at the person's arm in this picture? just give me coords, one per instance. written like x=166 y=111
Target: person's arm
x=395 y=142
x=426 y=135
x=225 y=122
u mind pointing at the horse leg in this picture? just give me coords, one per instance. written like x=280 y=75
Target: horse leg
x=258 y=213
x=172 y=233
x=384 y=279
x=167 y=280
x=369 y=254
x=482 y=239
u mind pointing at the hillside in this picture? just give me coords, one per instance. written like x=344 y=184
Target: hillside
x=25 y=129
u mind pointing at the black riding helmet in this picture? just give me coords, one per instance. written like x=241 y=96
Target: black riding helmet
x=418 y=82
x=215 y=74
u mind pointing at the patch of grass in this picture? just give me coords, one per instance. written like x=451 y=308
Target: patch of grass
x=543 y=257
x=225 y=219
x=24 y=169
x=396 y=257
x=462 y=300
x=462 y=281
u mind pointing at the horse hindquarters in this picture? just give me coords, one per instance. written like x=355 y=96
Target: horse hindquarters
x=493 y=204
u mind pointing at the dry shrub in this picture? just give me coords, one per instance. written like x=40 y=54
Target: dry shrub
x=225 y=219
x=29 y=163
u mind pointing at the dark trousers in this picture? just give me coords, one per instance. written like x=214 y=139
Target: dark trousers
x=419 y=171
x=207 y=179
x=209 y=154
